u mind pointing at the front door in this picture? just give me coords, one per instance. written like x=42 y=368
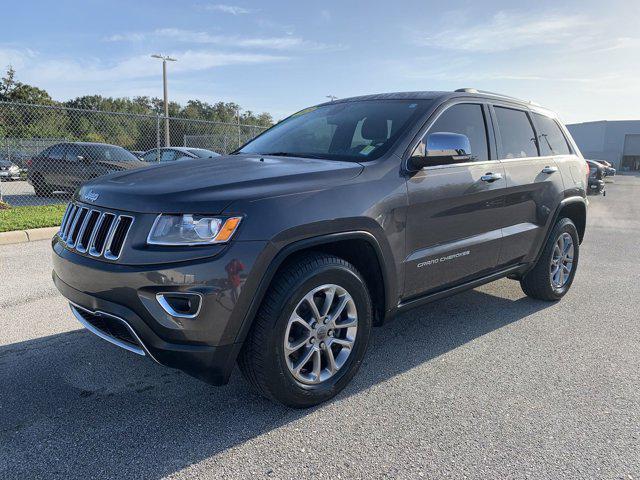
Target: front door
x=453 y=219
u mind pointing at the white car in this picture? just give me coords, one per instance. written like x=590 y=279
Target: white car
x=9 y=171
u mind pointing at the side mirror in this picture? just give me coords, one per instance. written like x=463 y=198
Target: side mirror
x=442 y=148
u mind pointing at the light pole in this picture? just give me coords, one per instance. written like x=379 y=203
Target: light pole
x=165 y=59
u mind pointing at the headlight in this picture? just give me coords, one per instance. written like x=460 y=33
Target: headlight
x=191 y=230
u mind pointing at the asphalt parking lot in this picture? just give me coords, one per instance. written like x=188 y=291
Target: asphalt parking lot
x=20 y=193
x=487 y=384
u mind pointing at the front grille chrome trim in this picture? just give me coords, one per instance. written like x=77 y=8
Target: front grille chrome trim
x=91 y=243
x=72 y=215
x=65 y=217
x=83 y=227
x=107 y=246
x=138 y=350
x=80 y=222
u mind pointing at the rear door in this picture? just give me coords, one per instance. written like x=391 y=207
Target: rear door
x=53 y=167
x=453 y=231
x=533 y=184
x=75 y=169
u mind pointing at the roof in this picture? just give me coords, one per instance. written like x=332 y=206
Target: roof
x=95 y=144
x=432 y=95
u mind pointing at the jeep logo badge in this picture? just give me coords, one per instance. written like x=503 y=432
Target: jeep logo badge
x=91 y=196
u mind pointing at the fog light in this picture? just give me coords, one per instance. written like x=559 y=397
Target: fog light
x=180 y=304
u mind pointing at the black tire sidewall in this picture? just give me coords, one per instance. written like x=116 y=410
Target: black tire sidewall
x=289 y=390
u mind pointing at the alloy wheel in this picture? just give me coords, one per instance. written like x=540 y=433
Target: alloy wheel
x=561 y=261
x=320 y=334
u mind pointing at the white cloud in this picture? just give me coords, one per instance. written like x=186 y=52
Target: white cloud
x=16 y=57
x=505 y=31
x=288 y=42
x=42 y=72
x=230 y=9
x=126 y=37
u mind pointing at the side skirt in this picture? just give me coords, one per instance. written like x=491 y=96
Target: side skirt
x=431 y=297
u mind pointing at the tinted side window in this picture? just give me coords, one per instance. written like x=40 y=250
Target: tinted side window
x=550 y=138
x=466 y=119
x=516 y=132
x=151 y=156
x=57 y=152
x=168 y=156
x=71 y=153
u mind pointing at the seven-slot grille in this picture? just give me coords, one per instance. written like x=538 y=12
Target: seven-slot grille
x=99 y=233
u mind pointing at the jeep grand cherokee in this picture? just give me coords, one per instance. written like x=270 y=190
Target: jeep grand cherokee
x=284 y=254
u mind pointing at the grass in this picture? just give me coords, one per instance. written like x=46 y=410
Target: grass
x=21 y=218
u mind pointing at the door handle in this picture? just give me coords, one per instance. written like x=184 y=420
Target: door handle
x=491 y=177
x=549 y=170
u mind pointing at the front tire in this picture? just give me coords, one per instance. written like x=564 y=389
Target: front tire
x=553 y=274
x=311 y=332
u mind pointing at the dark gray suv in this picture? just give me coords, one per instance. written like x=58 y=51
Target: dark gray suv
x=284 y=254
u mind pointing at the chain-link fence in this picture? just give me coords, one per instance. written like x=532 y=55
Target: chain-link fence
x=46 y=152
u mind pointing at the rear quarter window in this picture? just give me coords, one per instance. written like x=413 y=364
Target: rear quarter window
x=550 y=137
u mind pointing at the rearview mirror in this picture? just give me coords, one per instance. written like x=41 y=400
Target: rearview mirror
x=442 y=148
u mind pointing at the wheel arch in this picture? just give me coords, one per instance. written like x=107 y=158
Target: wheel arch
x=345 y=245
x=575 y=209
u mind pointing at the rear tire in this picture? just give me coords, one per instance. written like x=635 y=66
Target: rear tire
x=287 y=330
x=553 y=274
x=41 y=188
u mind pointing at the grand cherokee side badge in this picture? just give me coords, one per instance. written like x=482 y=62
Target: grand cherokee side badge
x=444 y=259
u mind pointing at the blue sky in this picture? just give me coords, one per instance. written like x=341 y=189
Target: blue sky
x=581 y=58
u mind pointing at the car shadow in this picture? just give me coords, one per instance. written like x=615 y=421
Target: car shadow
x=72 y=405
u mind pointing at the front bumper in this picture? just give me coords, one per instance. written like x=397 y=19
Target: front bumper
x=205 y=346
x=596 y=187
x=7 y=175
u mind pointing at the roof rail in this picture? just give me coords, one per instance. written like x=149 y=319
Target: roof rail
x=494 y=94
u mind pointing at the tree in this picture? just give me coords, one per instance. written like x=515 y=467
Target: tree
x=134 y=131
x=14 y=91
x=7 y=83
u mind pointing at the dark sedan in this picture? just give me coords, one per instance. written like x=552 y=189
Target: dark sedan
x=66 y=166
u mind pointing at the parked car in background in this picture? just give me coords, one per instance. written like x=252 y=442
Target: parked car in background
x=137 y=153
x=171 y=154
x=9 y=170
x=609 y=171
x=596 y=178
x=66 y=166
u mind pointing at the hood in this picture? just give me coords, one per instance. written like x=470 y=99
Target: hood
x=208 y=185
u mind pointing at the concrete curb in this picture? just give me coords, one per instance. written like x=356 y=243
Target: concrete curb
x=30 y=235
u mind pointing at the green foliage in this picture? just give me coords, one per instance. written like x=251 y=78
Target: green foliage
x=22 y=218
x=80 y=119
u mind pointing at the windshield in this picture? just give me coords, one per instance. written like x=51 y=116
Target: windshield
x=110 y=153
x=358 y=130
